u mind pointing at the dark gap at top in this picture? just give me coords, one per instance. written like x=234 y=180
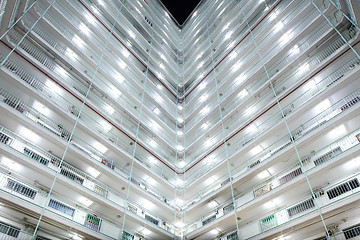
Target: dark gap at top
x=180 y=9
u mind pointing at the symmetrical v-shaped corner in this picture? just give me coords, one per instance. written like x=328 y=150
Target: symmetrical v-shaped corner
x=116 y=122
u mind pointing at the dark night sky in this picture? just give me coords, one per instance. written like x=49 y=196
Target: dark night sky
x=180 y=9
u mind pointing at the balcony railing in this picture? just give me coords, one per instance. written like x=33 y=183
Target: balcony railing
x=58 y=130
x=241 y=141
x=274 y=149
x=88 y=121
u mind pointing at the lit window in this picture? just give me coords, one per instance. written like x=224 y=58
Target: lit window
x=250 y=110
x=256 y=150
x=161 y=76
x=85 y=201
x=41 y=108
x=93 y=172
x=152 y=159
x=243 y=93
x=202 y=86
x=122 y=64
x=226 y=26
x=95 y=10
x=61 y=71
x=105 y=125
x=156 y=111
x=231 y=45
x=325 y=104
x=209 y=142
x=101 y=148
x=70 y=53
x=131 y=34
x=279 y=26
x=90 y=18
x=295 y=49
x=115 y=92
x=237 y=66
x=84 y=28
x=79 y=42
x=158 y=98
x=28 y=134
x=126 y=53
x=233 y=55
x=205 y=110
x=228 y=35
x=152 y=143
x=109 y=109
x=273 y=16
x=181 y=164
x=304 y=67
x=285 y=38
x=146 y=231
x=154 y=125
x=251 y=128
x=180 y=148
x=11 y=164
x=240 y=79
x=203 y=98
x=120 y=78
x=53 y=86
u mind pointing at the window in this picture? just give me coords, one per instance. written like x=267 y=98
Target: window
x=9 y=230
x=20 y=188
x=93 y=222
x=352 y=232
x=343 y=188
x=151 y=219
x=61 y=207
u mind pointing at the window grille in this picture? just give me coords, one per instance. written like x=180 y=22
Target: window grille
x=61 y=207
x=254 y=164
x=343 y=188
x=127 y=236
x=228 y=208
x=9 y=230
x=151 y=219
x=301 y=207
x=268 y=222
x=209 y=220
x=4 y=138
x=232 y=236
x=93 y=222
x=327 y=156
x=35 y=156
x=132 y=209
x=69 y=174
x=290 y=176
x=20 y=188
x=352 y=232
